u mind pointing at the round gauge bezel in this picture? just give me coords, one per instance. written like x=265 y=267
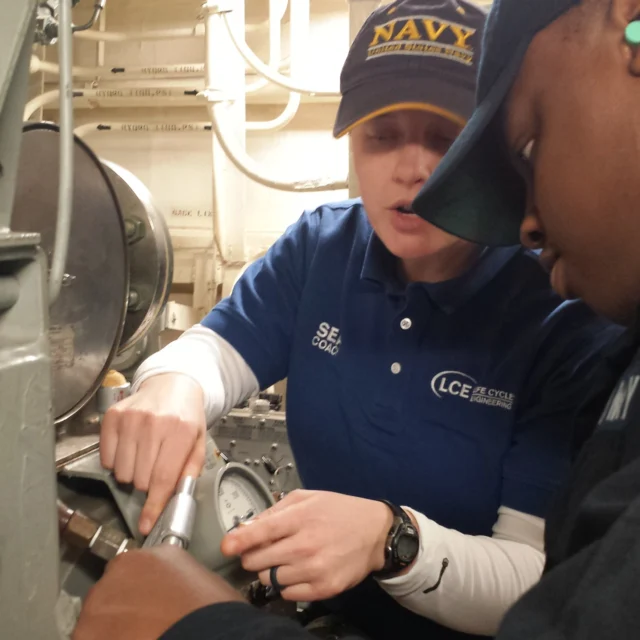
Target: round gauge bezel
x=248 y=474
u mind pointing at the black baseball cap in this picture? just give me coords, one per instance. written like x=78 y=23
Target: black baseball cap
x=412 y=54
x=475 y=192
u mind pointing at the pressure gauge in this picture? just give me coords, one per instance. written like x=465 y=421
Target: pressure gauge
x=239 y=497
x=226 y=496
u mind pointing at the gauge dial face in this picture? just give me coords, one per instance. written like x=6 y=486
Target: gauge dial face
x=239 y=500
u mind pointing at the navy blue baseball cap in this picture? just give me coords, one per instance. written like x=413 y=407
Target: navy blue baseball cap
x=413 y=54
x=475 y=192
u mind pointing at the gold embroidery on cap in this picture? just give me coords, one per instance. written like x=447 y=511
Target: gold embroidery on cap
x=423 y=35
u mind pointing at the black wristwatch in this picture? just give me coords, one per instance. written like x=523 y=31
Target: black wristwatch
x=402 y=544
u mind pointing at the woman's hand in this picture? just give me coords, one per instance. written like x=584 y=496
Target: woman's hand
x=322 y=543
x=154 y=438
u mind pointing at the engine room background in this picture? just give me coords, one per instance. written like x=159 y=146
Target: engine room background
x=161 y=89
x=145 y=108
x=176 y=163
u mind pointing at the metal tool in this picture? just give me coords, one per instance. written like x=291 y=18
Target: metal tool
x=175 y=526
x=83 y=532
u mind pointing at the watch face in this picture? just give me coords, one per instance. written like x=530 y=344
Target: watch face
x=407 y=548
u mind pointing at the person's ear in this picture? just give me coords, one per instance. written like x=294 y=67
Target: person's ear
x=625 y=15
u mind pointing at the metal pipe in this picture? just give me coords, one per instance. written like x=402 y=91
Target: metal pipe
x=250 y=168
x=160 y=72
x=264 y=70
x=146 y=93
x=9 y=292
x=223 y=73
x=298 y=32
x=282 y=120
x=196 y=31
x=277 y=10
x=65 y=189
x=102 y=27
x=276 y=15
x=124 y=73
x=97 y=10
x=40 y=101
x=185 y=127
x=187 y=32
x=162 y=34
x=232 y=149
x=112 y=99
x=142 y=127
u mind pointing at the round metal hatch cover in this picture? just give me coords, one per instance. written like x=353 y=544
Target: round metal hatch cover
x=150 y=254
x=86 y=321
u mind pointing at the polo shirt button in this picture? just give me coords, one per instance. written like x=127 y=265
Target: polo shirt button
x=405 y=323
x=396 y=368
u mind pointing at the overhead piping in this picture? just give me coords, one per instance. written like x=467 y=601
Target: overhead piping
x=197 y=31
x=146 y=96
x=282 y=120
x=129 y=73
x=97 y=10
x=298 y=36
x=249 y=167
x=238 y=156
x=162 y=34
x=65 y=189
x=276 y=15
x=142 y=127
x=273 y=76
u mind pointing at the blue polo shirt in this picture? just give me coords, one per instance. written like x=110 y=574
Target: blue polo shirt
x=453 y=398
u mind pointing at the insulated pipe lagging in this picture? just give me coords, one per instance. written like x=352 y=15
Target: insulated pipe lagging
x=250 y=168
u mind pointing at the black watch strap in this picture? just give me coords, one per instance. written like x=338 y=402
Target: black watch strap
x=397 y=511
x=402 y=527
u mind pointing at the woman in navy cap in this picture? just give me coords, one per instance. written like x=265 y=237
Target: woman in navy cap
x=423 y=370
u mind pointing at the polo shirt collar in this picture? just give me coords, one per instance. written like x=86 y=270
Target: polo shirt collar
x=381 y=266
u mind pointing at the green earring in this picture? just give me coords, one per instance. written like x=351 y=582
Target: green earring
x=632 y=34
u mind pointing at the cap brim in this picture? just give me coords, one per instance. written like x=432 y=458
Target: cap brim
x=369 y=100
x=475 y=193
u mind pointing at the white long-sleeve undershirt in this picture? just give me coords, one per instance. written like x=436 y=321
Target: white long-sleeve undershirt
x=212 y=362
x=484 y=575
